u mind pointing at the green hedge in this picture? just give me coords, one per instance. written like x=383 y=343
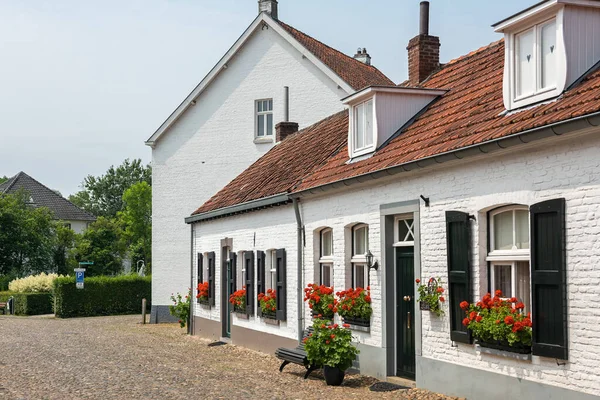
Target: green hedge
x=4 y=281
x=101 y=296
x=29 y=303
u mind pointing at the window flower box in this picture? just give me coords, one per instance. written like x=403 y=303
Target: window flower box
x=204 y=302
x=503 y=345
x=202 y=295
x=354 y=306
x=431 y=296
x=424 y=306
x=357 y=321
x=321 y=300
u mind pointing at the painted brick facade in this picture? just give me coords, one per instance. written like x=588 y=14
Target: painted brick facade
x=214 y=141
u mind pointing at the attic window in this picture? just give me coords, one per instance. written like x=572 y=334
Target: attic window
x=264 y=118
x=535 y=60
x=363 y=128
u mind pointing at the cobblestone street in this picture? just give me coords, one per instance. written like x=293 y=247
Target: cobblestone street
x=118 y=358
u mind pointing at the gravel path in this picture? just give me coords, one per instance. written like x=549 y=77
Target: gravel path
x=118 y=358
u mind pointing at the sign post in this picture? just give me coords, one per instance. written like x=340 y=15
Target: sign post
x=80 y=274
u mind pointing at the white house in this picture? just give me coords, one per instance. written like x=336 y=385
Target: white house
x=483 y=172
x=228 y=122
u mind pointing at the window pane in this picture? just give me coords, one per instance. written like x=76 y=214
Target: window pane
x=326 y=274
x=525 y=63
x=548 y=50
x=359 y=276
x=358 y=127
x=523 y=283
x=259 y=104
x=503 y=231
x=273 y=280
x=502 y=274
x=360 y=241
x=369 y=123
x=270 y=106
x=269 y=124
x=326 y=243
x=260 y=130
x=402 y=231
x=522 y=229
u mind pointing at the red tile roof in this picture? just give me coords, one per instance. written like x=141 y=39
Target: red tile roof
x=282 y=168
x=471 y=112
x=353 y=72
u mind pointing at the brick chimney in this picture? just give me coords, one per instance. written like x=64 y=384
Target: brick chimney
x=362 y=56
x=269 y=7
x=284 y=129
x=423 y=51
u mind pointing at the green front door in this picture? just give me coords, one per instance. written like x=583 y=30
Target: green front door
x=405 y=309
x=230 y=289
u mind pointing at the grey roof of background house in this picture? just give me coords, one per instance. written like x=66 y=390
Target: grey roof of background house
x=43 y=196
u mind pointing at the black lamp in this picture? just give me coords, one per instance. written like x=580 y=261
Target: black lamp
x=370 y=264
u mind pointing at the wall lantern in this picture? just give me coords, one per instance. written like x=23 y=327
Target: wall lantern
x=370 y=263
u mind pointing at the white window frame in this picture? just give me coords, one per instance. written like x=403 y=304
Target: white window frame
x=402 y=242
x=325 y=261
x=359 y=259
x=258 y=114
x=271 y=267
x=537 y=59
x=358 y=151
x=241 y=267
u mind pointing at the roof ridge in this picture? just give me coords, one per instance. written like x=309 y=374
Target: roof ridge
x=473 y=53
x=13 y=180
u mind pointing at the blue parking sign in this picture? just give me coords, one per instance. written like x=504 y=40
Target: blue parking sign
x=79 y=276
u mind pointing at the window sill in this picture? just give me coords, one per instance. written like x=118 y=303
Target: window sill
x=503 y=353
x=263 y=140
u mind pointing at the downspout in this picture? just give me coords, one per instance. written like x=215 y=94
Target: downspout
x=299 y=278
x=191 y=316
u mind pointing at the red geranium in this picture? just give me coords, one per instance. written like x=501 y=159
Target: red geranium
x=238 y=299
x=202 y=295
x=355 y=303
x=320 y=300
x=268 y=302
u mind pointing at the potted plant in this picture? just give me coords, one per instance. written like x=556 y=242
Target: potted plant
x=431 y=295
x=202 y=295
x=354 y=306
x=268 y=304
x=330 y=346
x=499 y=323
x=321 y=300
x=238 y=300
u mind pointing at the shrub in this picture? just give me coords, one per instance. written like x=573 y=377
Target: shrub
x=180 y=308
x=320 y=300
x=101 y=296
x=4 y=281
x=29 y=303
x=41 y=283
x=330 y=345
x=355 y=303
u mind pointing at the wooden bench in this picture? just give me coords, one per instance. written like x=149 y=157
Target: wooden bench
x=3 y=307
x=296 y=356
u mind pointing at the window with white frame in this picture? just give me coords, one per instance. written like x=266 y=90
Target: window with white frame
x=509 y=252
x=405 y=231
x=264 y=118
x=241 y=271
x=362 y=123
x=326 y=257
x=271 y=266
x=535 y=61
x=360 y=245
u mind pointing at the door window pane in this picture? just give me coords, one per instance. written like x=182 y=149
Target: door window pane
x=525 y=63
x=369 y=123
x=522 y=229
x=326 y=243
x=359 y=126
x=548 y=54
x=502 y=279
x=503 y=231
x=406 y=230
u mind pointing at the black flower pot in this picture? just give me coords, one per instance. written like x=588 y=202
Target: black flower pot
x=333 y=375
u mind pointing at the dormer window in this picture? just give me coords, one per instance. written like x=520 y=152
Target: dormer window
x=363 y=127
x=535 y=60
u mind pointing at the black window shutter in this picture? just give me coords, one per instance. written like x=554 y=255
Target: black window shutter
x=281 y=295
x=199 y=272
x=549 y=279
x=459 y=272
x=211 y=278
x=249 y=265
x=232 y=272
x=260 y=276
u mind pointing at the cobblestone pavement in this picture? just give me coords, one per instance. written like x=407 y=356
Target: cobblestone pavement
x=118 y=358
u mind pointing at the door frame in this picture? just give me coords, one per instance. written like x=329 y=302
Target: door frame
x=226 y=247
x=389 y=214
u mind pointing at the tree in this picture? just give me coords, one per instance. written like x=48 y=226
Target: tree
x=102 y=244
x=64 y=252
x=136 y=219
x=3 y=179
x=26 y=236
x=103 y=195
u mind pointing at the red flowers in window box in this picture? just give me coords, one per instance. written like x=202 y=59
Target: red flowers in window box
x=355 y=304
x=238 y=300
x=268 y=303
x=494 y=320
x=202 y=295
x=321 y=300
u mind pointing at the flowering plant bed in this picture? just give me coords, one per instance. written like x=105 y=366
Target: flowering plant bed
x=499 y=323
x=321 y=300
x=238 y=300
x=202 y=295
x=331 y=345
x=355 y=304
x=431 y=295
x=268 y=304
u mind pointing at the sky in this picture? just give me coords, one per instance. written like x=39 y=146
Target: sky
x=84 y=83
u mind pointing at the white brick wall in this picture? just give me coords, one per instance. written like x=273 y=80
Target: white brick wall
x=213 y=142
x=262 y=230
